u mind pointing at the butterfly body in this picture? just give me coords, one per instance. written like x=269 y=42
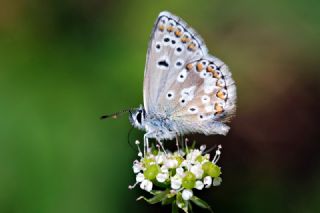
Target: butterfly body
x=186 y=90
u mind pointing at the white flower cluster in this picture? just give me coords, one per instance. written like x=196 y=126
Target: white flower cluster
x=179 y=172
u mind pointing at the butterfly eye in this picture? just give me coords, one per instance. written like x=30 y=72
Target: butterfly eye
x=222 y=94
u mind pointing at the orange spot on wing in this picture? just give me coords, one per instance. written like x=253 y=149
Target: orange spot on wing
x=192 y=47
x=161 y=27
x=199 y=67
x=220 y=83
x=221 y=94
x=216 y=74
x=189 y=66
x=218 y=108
x=178 y=33
x=170 y=28
x=210 y=69
x=185 y=39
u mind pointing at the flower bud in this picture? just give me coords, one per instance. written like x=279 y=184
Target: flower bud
x=148 y=161
x=187 y=194
x=151 y=172
x=211 y=169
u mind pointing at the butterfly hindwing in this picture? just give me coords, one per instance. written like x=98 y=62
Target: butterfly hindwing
x=205 y=99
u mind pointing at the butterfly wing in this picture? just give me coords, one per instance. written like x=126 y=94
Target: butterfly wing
x=206 y=98
x=172 y=45
x=184 y=83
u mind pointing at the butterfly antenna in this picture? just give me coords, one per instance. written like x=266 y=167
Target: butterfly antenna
x=115 y=115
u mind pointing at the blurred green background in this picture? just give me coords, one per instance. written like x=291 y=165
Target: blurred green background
x=64 y=63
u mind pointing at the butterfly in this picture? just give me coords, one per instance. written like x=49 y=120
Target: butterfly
x=185 y=89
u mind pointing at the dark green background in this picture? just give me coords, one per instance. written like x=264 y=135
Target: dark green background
x=64 y=63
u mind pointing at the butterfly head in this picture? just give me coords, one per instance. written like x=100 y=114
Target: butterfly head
x=137 y=117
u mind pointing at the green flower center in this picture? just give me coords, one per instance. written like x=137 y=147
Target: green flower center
x=189 y=180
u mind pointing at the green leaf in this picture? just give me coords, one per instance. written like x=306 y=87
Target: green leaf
x=155 y=199
x=155 y=192
x=190 y=207
x=167 y=200
x=174 y=208
x=161 y=185
x=181 y=203
x=201 y=203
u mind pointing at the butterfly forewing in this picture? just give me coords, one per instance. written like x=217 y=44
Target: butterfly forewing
x=173 y=44
x=183 y=82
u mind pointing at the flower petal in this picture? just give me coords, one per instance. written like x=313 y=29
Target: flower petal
x=187 y=194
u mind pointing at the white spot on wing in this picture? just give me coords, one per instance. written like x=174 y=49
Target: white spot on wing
x=209 y=108
x=183 y=101
x=163 y=63
x=158 y=46
x=170 y=95
x=172 y=23
x=208 y=89
x=179 y=63
x=209 y=81
x=179 y=49
x=164 y=20
x=204 y=74
x=182 y=76
x=188 y=93
x=205 y=99
x=193 y=110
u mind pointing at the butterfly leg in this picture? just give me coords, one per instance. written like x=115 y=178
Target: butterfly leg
x=162 y=147
x=177 y=143
x=145 y=143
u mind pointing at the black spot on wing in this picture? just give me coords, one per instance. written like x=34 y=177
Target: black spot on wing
x=163 y=63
